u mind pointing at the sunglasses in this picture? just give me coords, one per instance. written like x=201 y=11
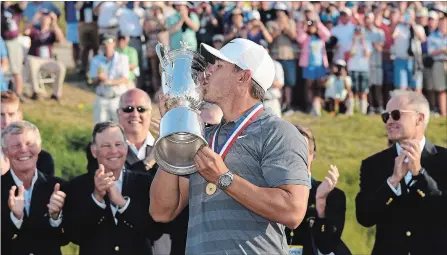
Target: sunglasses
x=129 y=109
x=395 y=115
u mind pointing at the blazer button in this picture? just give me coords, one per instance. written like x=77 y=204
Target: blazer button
x=408 y=233
x=14 y=236
x=117 y=248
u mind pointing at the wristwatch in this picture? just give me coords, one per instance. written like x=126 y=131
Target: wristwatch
x=225 y=180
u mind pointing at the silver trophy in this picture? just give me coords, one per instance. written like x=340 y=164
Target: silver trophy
x=181 y=128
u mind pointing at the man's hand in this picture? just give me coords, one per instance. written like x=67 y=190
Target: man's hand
x=209 y=164
x=162 y=99
x=115 y=195
x=102 y=182
x=400 y=170
x=412 y=151
x=57 y=200
x=53 y=18
x=17 y=203
x=328 y=184
x=102 y=76
x=149 y=161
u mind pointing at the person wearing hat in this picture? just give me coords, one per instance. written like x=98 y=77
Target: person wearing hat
x=182 y=26
x=284 y=49
x=110 y=74
x=209 y=24
x=132 y=55
x=255 y=30
x=218 y=41
x=344 y=32
x=312 y=35
x=338 y=93
x=41 y=52
x=242 y=196
x=236 y=25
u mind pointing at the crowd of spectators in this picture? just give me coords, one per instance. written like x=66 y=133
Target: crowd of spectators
x=342 y=56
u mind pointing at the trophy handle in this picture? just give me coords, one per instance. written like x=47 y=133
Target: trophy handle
x=161 y=51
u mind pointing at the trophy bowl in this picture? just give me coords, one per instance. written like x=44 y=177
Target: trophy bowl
x=181 y=128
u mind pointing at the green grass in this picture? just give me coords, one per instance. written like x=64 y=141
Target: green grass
x=342 y=141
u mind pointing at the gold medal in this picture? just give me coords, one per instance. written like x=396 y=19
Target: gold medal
x=210 y=189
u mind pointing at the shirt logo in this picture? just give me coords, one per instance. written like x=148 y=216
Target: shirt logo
x=241 y=136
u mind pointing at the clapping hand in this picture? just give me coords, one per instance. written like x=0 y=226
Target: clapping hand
x=329 y=183
x=17 y=203
x=115 y=195
x=324 y=189
x=57 y=200
x=103 y=181
x=412 y=152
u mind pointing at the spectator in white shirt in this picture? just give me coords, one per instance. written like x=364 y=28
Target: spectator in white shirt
x=344 y=32
x=110 y=73
x=358 y=67
x=408 y=53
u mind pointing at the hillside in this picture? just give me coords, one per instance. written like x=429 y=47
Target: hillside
x=343 y=141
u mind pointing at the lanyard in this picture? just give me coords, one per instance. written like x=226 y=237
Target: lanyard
x=240 y=125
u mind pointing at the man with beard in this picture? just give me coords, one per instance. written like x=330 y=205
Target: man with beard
x=403 y=189
x=241 y=197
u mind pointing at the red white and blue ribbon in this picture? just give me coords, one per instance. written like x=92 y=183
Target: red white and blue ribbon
x=243 y=123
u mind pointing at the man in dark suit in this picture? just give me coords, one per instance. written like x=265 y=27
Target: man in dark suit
x=10 y=112
x=324 y=221
x=134 y=116
x=403 y=189
x=31 y=200
x=107 y=211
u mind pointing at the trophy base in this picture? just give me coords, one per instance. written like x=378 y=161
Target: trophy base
x=181 y=136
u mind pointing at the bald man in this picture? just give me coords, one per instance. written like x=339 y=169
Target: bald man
x=134 y=115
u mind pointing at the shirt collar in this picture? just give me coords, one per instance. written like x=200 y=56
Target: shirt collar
x=120 y=179
x=149 y=141
x=223 y=122
x=19 y=183
x=421 y=144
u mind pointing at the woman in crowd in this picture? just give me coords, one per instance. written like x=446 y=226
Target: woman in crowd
x=322 y=226
x=312 y=35
x=183 y=25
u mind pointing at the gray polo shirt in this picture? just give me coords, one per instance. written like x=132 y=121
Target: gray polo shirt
x=270 y=152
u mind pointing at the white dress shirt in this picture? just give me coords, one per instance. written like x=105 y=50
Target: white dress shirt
x=409 y=175
x=119 y=184
x=28 y=193
x=141 y=153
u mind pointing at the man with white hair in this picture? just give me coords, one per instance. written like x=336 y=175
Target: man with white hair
x=403 y=189
x=252 y=181
x=32 y=201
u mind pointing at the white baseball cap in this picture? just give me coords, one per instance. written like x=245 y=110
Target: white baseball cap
x=247 y=55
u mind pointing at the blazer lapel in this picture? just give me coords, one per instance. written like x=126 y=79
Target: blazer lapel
x=124 y=184
x=38 y=197
x=428 y=151
x=131 y=158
